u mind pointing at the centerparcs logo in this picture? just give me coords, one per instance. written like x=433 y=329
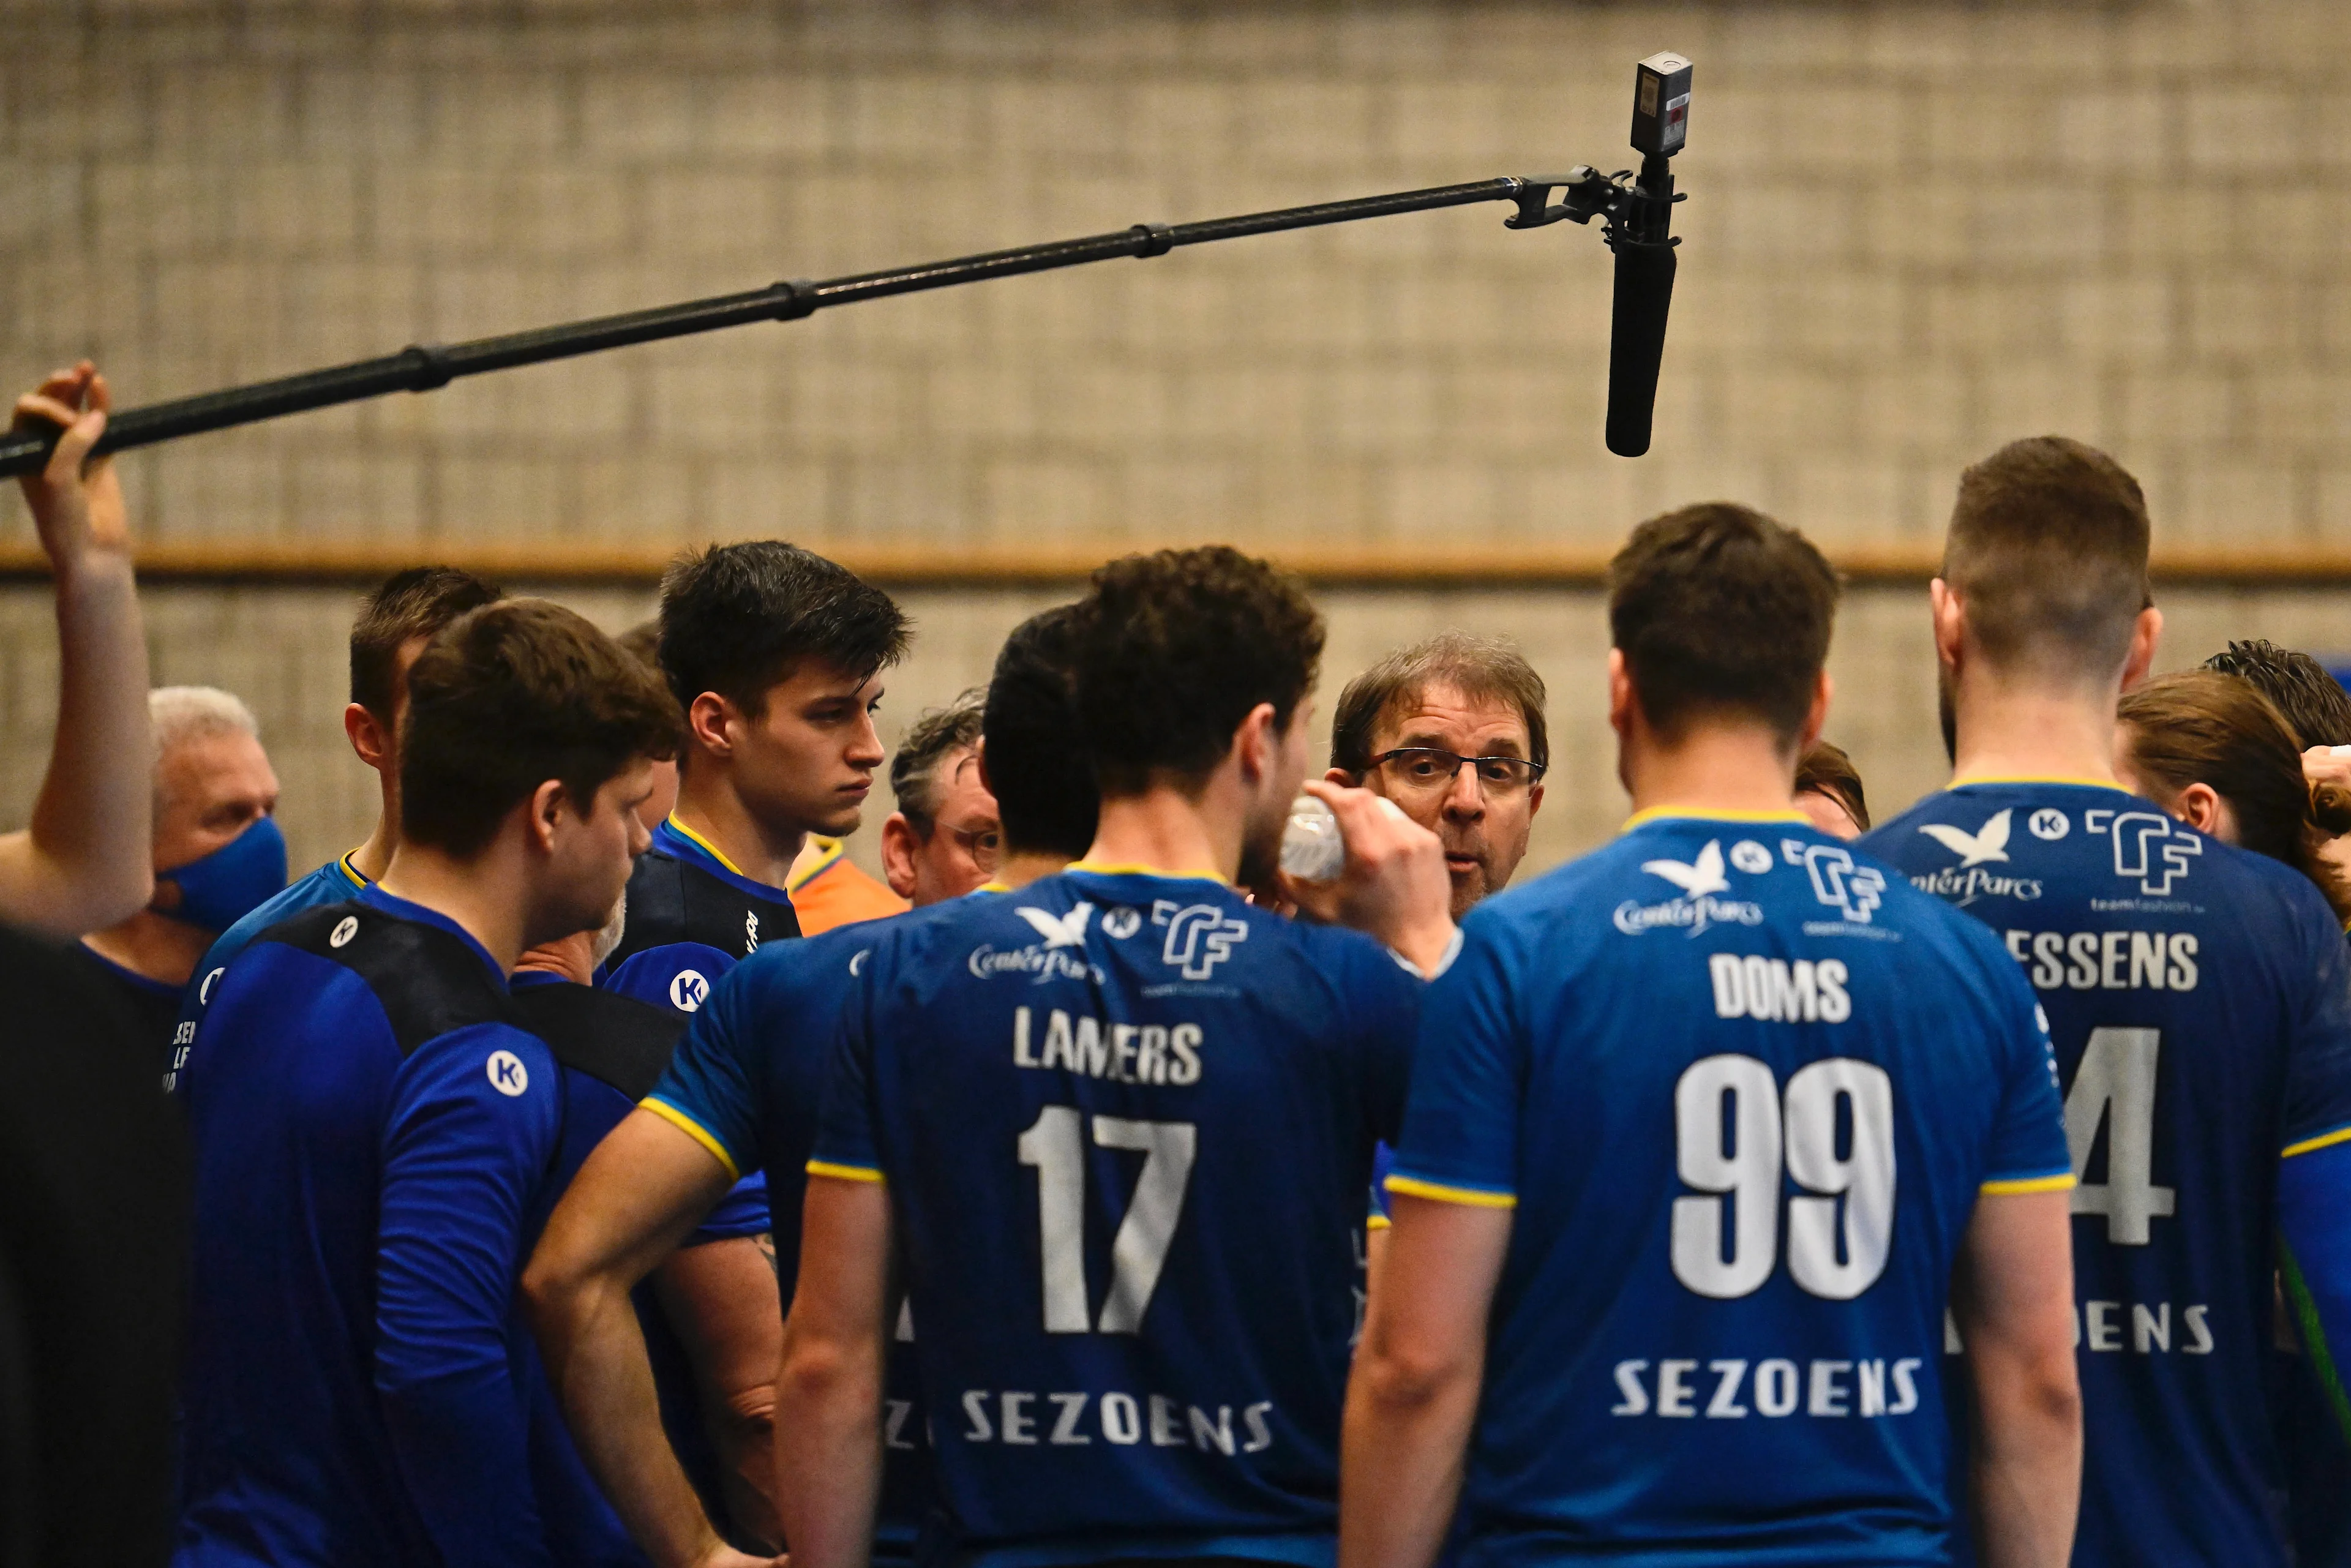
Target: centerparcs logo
x=1963 y=883
x=1696 y=908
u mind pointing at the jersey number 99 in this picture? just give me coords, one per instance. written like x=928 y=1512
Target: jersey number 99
x=1735 y=1134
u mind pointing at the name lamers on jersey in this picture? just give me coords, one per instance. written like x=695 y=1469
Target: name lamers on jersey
x=1697 y=907
x=1122 y=1052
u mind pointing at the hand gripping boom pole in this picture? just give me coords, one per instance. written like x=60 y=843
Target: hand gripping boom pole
x=1635 y=213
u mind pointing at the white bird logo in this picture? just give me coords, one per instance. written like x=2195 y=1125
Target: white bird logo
x=1060 y=930
x=1988 y=843
x=1698 y=879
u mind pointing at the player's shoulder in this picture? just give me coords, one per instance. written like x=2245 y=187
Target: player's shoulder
x=327 y=885
x=676 y=899
x=613 y=1038
x=426 y=980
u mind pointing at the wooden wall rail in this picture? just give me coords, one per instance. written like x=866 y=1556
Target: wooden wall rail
x=234 y=563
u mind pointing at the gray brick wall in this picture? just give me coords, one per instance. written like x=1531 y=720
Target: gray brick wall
x=1915 y=230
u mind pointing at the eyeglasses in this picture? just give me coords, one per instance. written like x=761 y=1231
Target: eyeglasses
x=984 y=845
x=1423 y=770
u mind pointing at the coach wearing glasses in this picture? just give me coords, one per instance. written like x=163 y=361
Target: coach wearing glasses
x=1452 y=731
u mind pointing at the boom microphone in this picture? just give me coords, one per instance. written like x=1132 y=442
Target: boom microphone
x=1644 y=253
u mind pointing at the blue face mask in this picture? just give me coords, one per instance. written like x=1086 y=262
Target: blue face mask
x=225 y=886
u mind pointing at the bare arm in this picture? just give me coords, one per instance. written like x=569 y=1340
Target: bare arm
x=829 y=1394
x=720 y=1297
x=2013 y=1300
x=638 y=1196
x=86 y=860
x=1413 y=1391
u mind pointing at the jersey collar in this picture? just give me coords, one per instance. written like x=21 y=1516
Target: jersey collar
x=402 y=909
x=352 y=874
x=1100 y=868
x=1972 y=779
x=1686 y=814
x=679 y=841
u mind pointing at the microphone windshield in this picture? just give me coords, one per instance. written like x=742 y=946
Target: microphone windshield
x=1645 y=291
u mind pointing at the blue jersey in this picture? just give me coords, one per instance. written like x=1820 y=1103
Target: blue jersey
x=2200 y=1003
x=1126 y=1121
x=374 y=1136
x=746 y=1084
x=330 y=883
x=1742 y=1089
x=692 y=916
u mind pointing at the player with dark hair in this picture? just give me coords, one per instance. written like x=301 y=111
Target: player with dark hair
x=742 y=1096
x=1120 y=1125
x=1702 y=1127
x=375 y=1131
x=1829 y=792
x=2199 y=996
x=2317 y=707
x=775 y=656
x=406 y=611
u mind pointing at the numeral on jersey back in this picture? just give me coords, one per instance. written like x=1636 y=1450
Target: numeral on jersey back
x=2116 y=1085
x=1054 y=1147
x=1735 y=1134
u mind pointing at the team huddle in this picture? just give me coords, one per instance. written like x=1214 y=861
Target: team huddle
x=1739 y=1193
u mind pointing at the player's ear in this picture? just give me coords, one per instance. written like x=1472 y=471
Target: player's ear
x=371 y=739
x=1620 y=693
x=2145 y=633
x=548 y=804
x=899 y=843
x=709 y=724
x=2200 y=808
x=1257 y=742
x=1824 y=693
x=1950 y=618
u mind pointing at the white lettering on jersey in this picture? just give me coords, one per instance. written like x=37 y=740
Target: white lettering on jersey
x=1199 y=938
x=2141 y=838
x=1854 y=891
x=2106 y=960
x=1777 y=991
x=1017 y=1416
x=1122 y=1052
x=1865 y=1387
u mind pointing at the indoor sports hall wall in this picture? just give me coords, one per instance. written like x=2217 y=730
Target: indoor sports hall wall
x=1915 y=230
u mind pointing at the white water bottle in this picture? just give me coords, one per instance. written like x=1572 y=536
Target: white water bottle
x=1312 y=849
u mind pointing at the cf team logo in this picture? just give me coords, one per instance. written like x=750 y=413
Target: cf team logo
x=1855 y=891
x=508 y=1074
x=1199 y=938
x=2148 y=847
x=688 y=990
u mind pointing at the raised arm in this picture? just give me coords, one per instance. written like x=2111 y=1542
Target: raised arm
x=646 y=1185
x=87 y=860
x=829 y=1393
x=2013 y=1300
x=1413 y=1391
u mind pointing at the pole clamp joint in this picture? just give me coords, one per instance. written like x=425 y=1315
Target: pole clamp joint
x=1157 y=239
x=795 y=299
x=429 y=366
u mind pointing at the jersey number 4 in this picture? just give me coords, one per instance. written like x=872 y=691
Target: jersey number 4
x=2115 y=1086
x=1735 y=1134
x=1053 y=1146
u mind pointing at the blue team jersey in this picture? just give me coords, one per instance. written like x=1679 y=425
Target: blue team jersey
x=2200 y=1004
x=746 y=1083
x=330 y=883
x=1126 y=1121
x=374 y=1134
x=1742 y=1089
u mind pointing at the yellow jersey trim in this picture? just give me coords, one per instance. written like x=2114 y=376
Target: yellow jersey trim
x=1413 y=1186
x=993 y=887
x=1378 y=1222
x=840 y=1172
x=359 y=884
x=1660 y=813
x=695 y=1130
x=827 y=855
x=1104 y=869
x=2028 y=1184
x=2324 y=1140
x=2113 y=784
x=713 y=850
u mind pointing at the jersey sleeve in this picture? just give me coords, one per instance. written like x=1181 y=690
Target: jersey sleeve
x=1387 y=1000
x=742 y=1212
x=196 y=997
x=2313 y=1194
x=2027 y=1151
x=2318 y=1056
x=846 y=1146
x=705 y=1091
x=1460 y=1141
x=470 y=1139
x=680 y=975
x=1382 y=1162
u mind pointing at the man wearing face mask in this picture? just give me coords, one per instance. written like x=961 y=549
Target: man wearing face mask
x=219 y=853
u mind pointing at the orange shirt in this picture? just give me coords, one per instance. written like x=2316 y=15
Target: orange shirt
x=829 y=889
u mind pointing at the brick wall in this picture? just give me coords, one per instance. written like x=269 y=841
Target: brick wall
x=1915 y=230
